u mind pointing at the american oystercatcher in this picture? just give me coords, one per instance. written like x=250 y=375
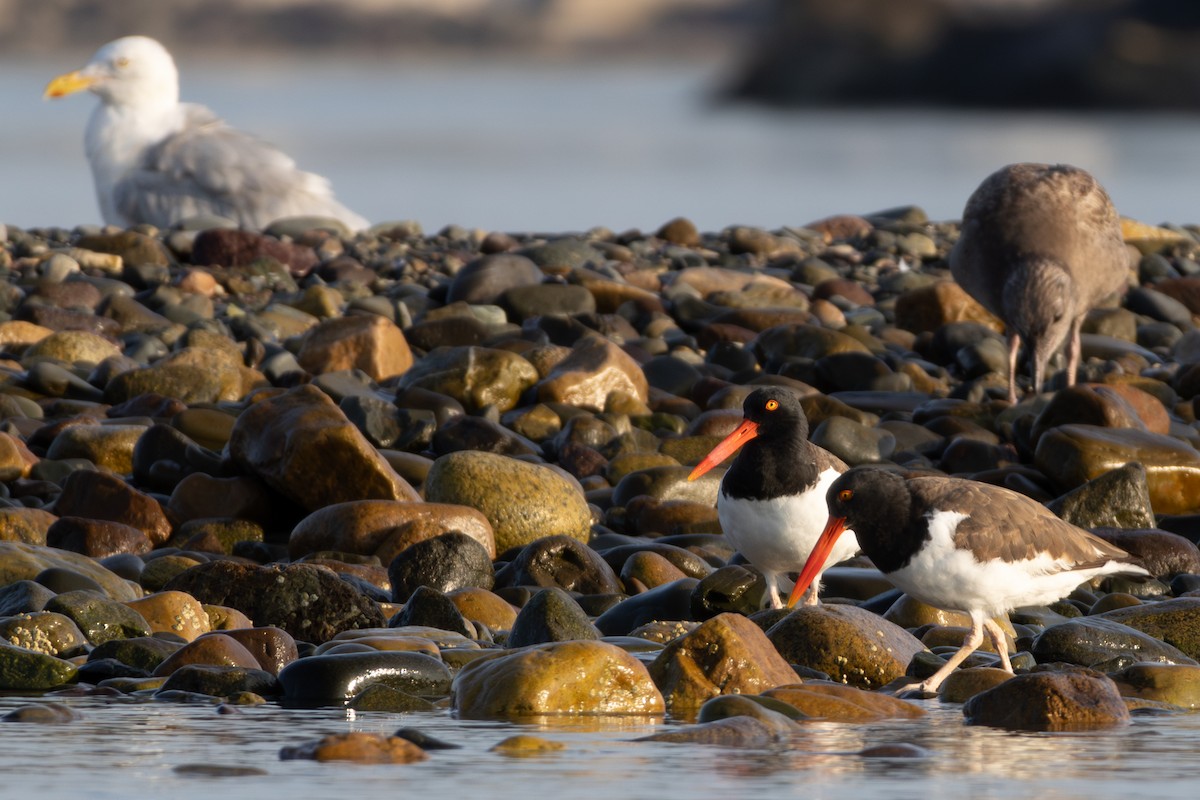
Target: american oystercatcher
x=962 y=546
x=1040 y=246
x=772 y=499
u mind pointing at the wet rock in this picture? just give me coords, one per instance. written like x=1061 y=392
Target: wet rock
x=1088 y=404
x=929 y=307
x=1049 y=701
x=42 y=713
x=100 y=618
x=741 y=731
x=477 y=377
x=1074 y=454
x=1176 y=622
x=522 y=501
x=851 y=645
x=526 y=745
x=1176 y=684
x=1094 y=640
x=560 y=561
x=191 y=375
x=1119 y=498
x=728 y=654
x=219 y=680
x=486 y=279
x=43 y=632
x=27 y=670
x=366 y=342
x=358 y=747
x=477 y=433
x=237 y=248
x=430 y=608
x=243 y=497
x=96 y=538
x=107 y=446
x=273 y=648
x=140 y=652
x=385 y=528
x=450 y=561
x=732 y=588
x=551 y=615
x=595 y=369
x=377 y=697
x=214 y=650
x=173 y=612
x=334 y=678
x=670 y=602
x=96 y=495
x=481 y=606
x=310 y=603
x=25 y=525
x=23 y=597
x=833 y=702
x=71 y=347
x=852 y=442
x=303 y=446
x=963 y=684
x=1162 y=553
x=577 y=677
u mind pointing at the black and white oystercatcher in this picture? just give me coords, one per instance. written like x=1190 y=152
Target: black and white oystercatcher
x=1040 y=246
x=962 y=546
x=772 y=499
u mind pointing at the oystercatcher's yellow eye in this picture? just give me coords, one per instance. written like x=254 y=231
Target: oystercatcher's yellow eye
x=845 y=495
x=771 y=405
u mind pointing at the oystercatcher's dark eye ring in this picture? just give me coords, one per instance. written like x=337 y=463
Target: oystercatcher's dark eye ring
x=845 y=495
x=771 y=405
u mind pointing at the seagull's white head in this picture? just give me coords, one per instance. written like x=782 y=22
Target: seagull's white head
x=133 y=71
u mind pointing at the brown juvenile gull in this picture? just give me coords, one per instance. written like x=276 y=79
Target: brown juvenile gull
x=1040 y=246
x=156 y=160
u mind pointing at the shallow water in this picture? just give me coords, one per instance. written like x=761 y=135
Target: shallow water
x=551 y=149
x=156 y=747
x=566 y=147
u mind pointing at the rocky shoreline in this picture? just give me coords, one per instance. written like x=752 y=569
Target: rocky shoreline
x=403 y=471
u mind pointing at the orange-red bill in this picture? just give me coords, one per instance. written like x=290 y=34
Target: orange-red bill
x=816 y=559
x=728 y=446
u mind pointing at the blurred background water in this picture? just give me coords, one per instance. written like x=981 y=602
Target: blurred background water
x=549 y=129
x=519 y=147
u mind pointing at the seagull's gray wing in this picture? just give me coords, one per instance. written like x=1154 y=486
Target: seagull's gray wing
x=208 y=167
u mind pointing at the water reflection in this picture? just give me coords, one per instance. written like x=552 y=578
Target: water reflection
x=178 y=750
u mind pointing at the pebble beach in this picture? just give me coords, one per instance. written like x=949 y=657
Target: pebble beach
x=403 y=472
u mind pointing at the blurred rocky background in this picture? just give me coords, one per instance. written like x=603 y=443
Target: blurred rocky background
x=570 y=28
x=1060 y=54
x=1067 y=54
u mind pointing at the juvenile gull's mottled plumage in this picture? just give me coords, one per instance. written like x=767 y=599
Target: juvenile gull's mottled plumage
x=156 y=160
x=1040 y=246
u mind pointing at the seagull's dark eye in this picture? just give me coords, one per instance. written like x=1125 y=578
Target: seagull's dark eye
x=771 y=405
x=846 y=495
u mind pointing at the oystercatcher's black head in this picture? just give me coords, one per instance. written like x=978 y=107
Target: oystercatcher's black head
x=876 y=504
x=771 y=415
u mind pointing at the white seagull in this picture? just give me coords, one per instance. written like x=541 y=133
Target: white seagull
x=156 y=160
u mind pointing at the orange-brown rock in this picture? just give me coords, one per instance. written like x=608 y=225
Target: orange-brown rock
x=384 y=528
x=303 y=446
x=595 y=369
x=727 y=654
x=367 y=342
